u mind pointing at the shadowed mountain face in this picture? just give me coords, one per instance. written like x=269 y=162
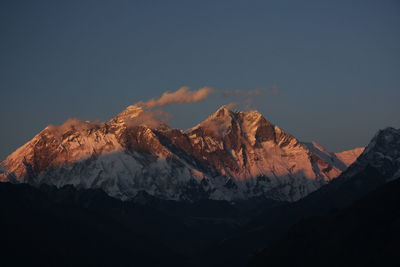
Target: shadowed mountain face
x=363 y=234
x=377 y=165
x=230 y=156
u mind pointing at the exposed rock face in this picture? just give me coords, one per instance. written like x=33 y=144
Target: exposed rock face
x=382 y=154
x=231 y=155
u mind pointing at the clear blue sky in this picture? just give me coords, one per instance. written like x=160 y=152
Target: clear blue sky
x=336 y=63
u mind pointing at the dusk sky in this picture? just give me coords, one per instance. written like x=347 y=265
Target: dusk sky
x=327 y=71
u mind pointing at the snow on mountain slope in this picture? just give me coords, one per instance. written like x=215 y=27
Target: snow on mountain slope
x=258 y=156
x=342 y=160
x=231 y=155
x=119 y=159
x=349 y=156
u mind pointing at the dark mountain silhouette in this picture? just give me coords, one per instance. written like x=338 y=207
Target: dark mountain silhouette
x=366 y=233
x=70 y=227
x=40 y=231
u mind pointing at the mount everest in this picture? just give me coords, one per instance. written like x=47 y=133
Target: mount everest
x=232 y=155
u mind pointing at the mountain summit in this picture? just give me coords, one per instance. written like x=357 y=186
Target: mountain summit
x=231 y=155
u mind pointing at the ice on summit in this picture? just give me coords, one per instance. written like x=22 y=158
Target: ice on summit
x=231 y=155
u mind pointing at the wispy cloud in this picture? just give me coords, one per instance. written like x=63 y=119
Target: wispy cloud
x=245 y=98
x=149 y=118
x=182 y=95
x=72 y=123
x=231 y=105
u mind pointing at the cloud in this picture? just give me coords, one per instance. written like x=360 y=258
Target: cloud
x=182 y=95
x=274 y=90
x=72 y=124
x=150 y=118
x=231 y=105
x=245 y=98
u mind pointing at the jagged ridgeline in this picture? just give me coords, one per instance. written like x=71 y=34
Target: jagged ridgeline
x=232 y=155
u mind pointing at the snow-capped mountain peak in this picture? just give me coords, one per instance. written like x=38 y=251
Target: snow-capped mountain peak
x=130 y=112
x=231 y=155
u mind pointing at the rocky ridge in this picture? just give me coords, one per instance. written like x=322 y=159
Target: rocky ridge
x=231 y=155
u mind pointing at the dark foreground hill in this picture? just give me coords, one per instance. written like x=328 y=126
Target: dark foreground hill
x=39 y=231
x=365 y=234
x=70 y=227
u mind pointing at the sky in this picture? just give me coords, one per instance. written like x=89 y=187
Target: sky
x=328 y=71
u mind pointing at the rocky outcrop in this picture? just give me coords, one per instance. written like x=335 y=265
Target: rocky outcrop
x=231 y=155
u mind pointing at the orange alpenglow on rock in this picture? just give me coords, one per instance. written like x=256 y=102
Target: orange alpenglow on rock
x=231 y=155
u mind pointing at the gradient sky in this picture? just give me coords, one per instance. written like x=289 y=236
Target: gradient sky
x=334 y=65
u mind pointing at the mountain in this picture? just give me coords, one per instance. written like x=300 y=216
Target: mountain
x=232 y=155
x=377 y=165
x=381 y=154
x=229 y=166
x=82 y=227
x=364 y=234
x=341 y=159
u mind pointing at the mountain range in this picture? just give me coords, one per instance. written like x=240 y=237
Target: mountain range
x=235 y=190
x=231 y=156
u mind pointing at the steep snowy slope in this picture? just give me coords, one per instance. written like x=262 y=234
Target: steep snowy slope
x=231 y=155
x=349 y=156
x=114 y=156
x=259 y=157
x=342 y=160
